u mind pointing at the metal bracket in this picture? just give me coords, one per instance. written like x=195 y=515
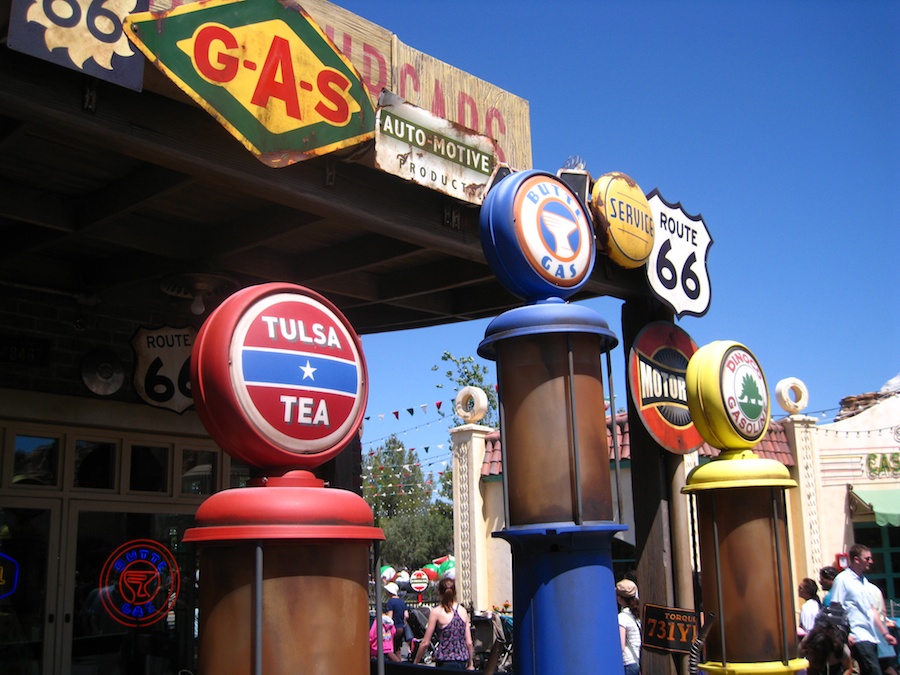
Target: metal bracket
x=330 y=171
x=451 y=216
x=89 y=100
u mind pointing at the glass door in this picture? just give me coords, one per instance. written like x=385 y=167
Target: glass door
x=131 y=591
x=29 y=607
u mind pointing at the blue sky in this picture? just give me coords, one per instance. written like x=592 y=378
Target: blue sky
x=777 y=121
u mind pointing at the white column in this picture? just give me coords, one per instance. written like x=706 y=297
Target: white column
x=470 y=532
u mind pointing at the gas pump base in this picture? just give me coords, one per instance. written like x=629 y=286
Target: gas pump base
x=764 y=668
x=556 y=567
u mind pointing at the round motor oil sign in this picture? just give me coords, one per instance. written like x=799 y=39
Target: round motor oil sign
x=657 y=366
x=537 y=236
x=281 y=377
x=728 y=395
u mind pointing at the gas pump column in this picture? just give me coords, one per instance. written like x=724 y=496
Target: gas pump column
x=539 y=241
x=279 y=381
x=744 y=543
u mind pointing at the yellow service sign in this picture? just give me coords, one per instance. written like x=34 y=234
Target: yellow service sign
x=727 y=395
x=625 y=221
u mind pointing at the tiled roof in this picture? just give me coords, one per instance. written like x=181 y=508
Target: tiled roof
x=773 y=446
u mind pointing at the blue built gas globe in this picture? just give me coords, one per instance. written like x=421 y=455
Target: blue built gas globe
x=537 y=236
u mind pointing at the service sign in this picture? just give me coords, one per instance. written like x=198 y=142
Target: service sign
x=657 y=367
x=433 y=152
x=624 y=220
x=84 y=35
x=677 y=267
x=265 y=70
x=162 y=366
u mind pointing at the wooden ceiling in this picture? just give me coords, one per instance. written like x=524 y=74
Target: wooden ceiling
x=124 y=198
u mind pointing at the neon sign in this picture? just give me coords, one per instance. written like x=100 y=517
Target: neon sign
x=139 y=583
x=9 y=576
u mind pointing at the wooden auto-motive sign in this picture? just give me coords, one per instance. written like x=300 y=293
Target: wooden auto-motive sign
x=677 y=267
x=265 y=70
x=417 y=146
x=279 y=377
x=84 y=35
x=669 y=629
x=657 y=366
x=162 y=366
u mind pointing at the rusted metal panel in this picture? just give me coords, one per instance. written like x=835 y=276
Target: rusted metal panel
x=431 y=151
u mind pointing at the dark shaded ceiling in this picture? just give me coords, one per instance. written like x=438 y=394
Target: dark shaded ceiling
x=143 y=199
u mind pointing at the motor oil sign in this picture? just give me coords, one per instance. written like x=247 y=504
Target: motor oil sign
x=279 y=377
x=657 y=367
x=265 y=70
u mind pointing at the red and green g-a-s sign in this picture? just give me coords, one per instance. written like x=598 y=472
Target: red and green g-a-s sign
x=265 y=70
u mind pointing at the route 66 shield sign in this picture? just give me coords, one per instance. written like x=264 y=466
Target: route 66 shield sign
x=677 y=267
x=162 y=366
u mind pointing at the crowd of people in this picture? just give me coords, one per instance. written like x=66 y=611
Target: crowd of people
x=452 y=648
x=844 y=633
x=851 y=625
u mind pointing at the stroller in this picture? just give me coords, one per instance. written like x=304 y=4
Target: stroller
x=418 y=622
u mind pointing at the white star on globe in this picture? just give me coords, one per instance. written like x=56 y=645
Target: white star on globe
x=308 y=371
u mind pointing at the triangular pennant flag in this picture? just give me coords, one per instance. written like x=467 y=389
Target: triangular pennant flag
x=410 y=410
x=381 y=416
x=426 y=448
x=437 y=404
x=397 y=414
x=424 y=408
x=367 y=418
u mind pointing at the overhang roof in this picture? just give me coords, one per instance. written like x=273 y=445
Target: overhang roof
x=109 y=196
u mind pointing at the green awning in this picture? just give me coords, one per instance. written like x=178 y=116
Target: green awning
x=884 y=503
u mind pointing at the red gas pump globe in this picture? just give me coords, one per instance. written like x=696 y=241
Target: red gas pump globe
x=278 y=377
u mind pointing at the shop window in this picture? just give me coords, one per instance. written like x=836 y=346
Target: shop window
x=95 y=465
x=36 y=460
x=149 y=469
x=198 y=472
x=884 y=542
x=239 y=475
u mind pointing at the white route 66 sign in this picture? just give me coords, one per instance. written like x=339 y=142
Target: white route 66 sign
x=677 y=266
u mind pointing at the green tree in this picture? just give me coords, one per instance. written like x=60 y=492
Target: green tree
x=413 y=541
x=393 y=482
x=466 y=372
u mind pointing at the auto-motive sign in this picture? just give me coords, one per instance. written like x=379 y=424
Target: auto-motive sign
x=657 y=366
x=279 y=377
x=420 y=147
x=265 y=70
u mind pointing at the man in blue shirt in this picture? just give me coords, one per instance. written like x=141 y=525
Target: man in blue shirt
x=849 y=590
